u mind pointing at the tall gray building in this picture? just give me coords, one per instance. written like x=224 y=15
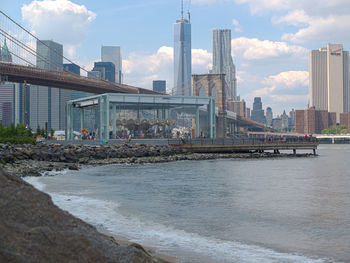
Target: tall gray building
x=257 y=114
x=113 y=54
x=11 y=95
x=269 y=116
x=47 y=105
x=159 y=86
x=222 y=60
x=106 y=69
x=329 y=79
x=182 y=57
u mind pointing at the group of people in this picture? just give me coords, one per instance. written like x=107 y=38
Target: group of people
x=88 y=135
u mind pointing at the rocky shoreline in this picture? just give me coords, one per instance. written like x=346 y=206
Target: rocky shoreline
x=35 y=160
x=35 y=230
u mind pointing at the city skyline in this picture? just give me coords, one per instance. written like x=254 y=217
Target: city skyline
x=268 y=45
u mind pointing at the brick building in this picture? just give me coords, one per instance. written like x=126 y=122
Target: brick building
x=312 y=121
x=345 y=119
x=238 y=107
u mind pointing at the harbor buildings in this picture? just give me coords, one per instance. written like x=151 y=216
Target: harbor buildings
x=313 y=121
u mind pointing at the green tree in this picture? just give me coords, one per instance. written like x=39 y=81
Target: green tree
x=52 y=132
x=336 y=129
x=17 y=135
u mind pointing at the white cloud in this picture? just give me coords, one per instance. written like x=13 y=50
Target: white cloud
x=254 y=49
x=290 y=98
x=312 y=7
x=289 y=79
x=237 y=26
x=333 y=28
x=283 y=89
x=201 y=61
x=280 y=91
x=140 y=70
x=60 y=20
x=316 y=21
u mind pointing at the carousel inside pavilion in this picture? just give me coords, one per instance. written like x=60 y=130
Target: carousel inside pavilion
x=140 y=116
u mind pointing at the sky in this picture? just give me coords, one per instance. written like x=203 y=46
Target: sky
x=271 y=39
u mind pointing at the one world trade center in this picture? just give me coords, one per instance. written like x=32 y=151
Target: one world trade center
x=182 y=57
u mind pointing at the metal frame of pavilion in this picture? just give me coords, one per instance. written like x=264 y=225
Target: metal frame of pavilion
x=108 y=103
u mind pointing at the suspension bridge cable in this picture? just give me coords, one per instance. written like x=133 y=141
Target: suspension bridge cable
x=28 y=32
x=27 y=48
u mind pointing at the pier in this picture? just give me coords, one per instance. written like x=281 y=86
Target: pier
x=248 y=145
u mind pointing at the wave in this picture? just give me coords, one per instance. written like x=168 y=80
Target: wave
x=108 y=215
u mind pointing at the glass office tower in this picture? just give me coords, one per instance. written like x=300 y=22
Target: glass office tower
x=113 y=54
x=182 y=58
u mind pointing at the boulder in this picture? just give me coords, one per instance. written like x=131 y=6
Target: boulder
x=33 y=229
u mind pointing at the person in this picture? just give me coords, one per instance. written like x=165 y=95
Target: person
x=305 y=137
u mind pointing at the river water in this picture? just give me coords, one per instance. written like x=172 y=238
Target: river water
x=261 y=210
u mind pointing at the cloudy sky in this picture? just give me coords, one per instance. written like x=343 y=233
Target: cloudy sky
x=270 y=38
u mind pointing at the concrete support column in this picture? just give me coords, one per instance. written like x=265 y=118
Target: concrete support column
x=114 y=121
x=166 y=117
x=69 y=120
x=103 y=102
x=106 y=117
x=82 y=120
x=212 y=119
x=197 y=122
x=100 y=126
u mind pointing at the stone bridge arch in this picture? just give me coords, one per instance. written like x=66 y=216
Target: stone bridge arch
x=212 y=85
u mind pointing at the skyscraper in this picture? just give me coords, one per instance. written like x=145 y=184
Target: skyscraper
x=47 y=105
x=11 y=94
x=159 y=86
x=257 y=114
x=269 y=116
x=113 y=54
x=222 y=60
x=329 y=79
x=107 y=70
x=182 y=57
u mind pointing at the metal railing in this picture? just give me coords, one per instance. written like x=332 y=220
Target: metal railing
x=237 y=141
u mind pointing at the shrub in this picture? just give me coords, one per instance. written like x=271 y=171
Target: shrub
x=16 y=135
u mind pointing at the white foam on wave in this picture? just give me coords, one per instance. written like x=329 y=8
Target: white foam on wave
x=35 y=181
x=107 y=214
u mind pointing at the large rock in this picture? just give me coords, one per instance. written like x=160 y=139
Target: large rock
x=33 y=229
